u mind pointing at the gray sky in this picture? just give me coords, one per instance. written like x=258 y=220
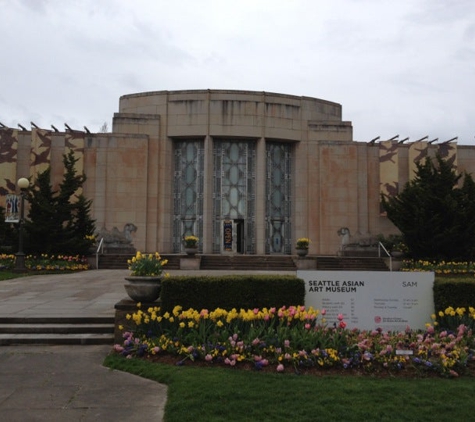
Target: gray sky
x=402 y=67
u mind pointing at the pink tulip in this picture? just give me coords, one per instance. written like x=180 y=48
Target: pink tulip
x=280 y=367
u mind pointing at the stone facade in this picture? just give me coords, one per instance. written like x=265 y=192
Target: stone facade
x=247 y=172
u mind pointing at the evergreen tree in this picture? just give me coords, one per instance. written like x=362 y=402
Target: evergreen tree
x=435 y=215
x=42 y=227
x=59 y=222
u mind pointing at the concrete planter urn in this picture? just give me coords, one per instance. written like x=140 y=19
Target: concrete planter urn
x=397 y=254
x=190 y=244
x=302 y=252
x=143 y=288
x=191 y=251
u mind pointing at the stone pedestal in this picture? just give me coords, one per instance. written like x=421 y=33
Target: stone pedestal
x=190 y=263
x=91 y=262
x=305 y=263
x=396 y=264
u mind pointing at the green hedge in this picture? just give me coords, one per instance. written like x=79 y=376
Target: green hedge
x=228 y=292
x=455 y=292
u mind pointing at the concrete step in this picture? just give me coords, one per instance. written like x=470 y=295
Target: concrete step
x=56 y=330
x=351 y=264
x=119 y=261
x=248 y=262
x=56 y=339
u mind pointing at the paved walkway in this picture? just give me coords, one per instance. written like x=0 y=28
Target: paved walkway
x=69 y=383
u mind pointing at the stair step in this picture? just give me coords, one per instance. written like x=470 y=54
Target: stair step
x=119 y=261
x=57 y=320
x=351 y=264
x=56 y=328
x=56 y=339
x=259 y=262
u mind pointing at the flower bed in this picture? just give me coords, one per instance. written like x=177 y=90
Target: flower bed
x=44 y=262
x=440 y=268
x=7 y=261
x=293 y=337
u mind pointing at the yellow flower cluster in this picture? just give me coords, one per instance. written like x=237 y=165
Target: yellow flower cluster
x=220 y=316
x=146 y=264
x=303 y=242
x=450 y=311
x=442 y=267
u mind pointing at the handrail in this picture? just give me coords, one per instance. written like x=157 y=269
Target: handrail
x=380 y=245
x=100 y=248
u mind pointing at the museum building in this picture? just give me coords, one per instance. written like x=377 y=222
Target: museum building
x=247 y=172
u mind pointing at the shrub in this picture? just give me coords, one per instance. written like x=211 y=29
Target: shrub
x=247 y=292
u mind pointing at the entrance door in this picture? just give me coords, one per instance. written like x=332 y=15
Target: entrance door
x=239 y=230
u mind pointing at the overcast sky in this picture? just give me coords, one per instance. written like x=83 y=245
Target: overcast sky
x=402 y=67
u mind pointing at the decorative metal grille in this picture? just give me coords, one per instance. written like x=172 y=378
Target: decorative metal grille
x=188 y=192
x=279 y=198
x=234 y=189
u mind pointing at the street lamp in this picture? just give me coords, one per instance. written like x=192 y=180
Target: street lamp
x=23 y=184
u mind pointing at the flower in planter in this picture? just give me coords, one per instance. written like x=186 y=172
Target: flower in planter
x=191 y=241
x=146 y=264
x=303 y=242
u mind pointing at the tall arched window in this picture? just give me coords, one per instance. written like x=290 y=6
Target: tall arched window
x=188 y=191
x=278 y=195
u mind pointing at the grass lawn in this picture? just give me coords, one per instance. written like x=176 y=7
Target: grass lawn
x=222 y=394
x=7 y=275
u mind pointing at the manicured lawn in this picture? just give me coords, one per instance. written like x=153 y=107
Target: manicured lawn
x=222 y=394
x=7 y=275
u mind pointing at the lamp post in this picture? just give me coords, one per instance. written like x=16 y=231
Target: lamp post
x=23 y=184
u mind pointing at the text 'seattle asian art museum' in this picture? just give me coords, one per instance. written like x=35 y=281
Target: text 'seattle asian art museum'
x=247 y=172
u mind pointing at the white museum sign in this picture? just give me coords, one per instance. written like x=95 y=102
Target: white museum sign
x=369 y=300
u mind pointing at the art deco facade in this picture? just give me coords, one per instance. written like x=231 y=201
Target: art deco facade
x=247 y=172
